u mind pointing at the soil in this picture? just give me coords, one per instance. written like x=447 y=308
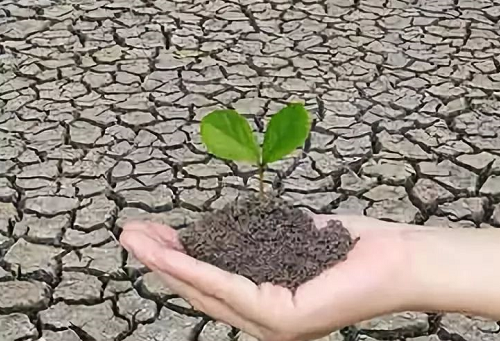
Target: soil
x=267 y=241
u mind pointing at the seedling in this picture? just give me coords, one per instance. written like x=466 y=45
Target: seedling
x=263 y=240
x=227 y=135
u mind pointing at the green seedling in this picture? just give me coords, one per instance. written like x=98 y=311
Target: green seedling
x=227 y=135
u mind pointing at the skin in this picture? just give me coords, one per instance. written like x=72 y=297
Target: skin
x=393 y=268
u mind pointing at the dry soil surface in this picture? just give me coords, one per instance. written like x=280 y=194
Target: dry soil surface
x=100 y=109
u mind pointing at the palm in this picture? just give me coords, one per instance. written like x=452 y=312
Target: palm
x=329 y=301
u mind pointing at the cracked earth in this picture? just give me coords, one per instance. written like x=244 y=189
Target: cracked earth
x=100 y=108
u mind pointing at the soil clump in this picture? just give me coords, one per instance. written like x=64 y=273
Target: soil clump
x=267 y=241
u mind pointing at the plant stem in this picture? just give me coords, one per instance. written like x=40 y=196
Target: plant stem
x=261 y=182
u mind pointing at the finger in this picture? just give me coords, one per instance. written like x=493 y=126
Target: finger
x=166 y=234
x=141 y=241
x=235 y=291
x=211 y=306
x=161 y=233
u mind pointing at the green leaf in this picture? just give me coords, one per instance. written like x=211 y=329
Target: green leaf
x=287 y=130
x=228 y=135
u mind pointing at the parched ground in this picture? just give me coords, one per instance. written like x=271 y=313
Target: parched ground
x=101 y=102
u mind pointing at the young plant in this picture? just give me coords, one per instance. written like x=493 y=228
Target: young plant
x=227 y=135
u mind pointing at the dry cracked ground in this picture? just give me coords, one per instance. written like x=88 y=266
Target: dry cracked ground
x=101 y=103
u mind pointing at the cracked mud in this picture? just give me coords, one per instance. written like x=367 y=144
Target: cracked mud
x=100 y=104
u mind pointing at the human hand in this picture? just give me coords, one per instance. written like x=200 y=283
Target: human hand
x=368 y=284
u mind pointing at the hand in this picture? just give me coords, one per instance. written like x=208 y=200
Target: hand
x=368 y=284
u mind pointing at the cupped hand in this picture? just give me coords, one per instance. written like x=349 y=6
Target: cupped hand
x=369 y=283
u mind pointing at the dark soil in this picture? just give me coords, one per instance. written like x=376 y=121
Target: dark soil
x=267 y=241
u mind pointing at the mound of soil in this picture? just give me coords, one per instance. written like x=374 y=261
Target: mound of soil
x=268 y=241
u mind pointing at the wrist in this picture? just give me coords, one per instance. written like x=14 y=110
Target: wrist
x=453 y=270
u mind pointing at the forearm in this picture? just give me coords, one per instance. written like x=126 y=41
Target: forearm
x=455 y=270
